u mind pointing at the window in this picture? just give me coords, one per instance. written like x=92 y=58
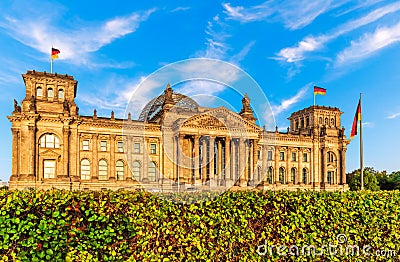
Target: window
x=297 y=124
x=103 y=170
x=153 y=149
x=120 y=147
x=281 y=156
x=294 y=156
x=302 y=123
x=136 y=170
x=49 y=141
x=326 y=121
x=259 y=173
x=50 y=92
x=320 y=120
x=330 y=157
x=304 y=178
x=61 y=93
x=103 y=146
x=293 y=175
x=269 y=175
x=119 y=167
x=85 y=169
x=258 y=154
x=85 y=145
x=49 y=168
x=136 y=148
x=305 y=156
x=269 y=155
x=281 y=175
x=307 y=121
x=39 y=91
x=332 y=122
x=330 y=177
x=152 y=172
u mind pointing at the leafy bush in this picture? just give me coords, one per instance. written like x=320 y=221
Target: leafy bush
x=138 y=226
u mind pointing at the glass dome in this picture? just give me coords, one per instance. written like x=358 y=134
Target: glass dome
x=155 y=105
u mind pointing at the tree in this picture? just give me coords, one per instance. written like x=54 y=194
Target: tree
x=370 y=179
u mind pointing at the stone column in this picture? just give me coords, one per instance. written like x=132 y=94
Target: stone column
x=32 y=156
x=276 y=173
x=323 y=168
x=299 y=169
x=343 y=166
x=95 y=157
x=181 y=156
x=204 y=160
x=233 y=156
x=242 y=161
x=315 y=164
x=128 y=154
x=196 y=158
x=65 y=156
x=288 y=169
x=251 y=161
x=219 y=169
x=15 y=153
x=112 y=157
x=228 y=161
x=212 y=157
x=264 y=157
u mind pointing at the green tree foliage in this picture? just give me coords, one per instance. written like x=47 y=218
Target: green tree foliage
x=138 y=226
x=370 y=179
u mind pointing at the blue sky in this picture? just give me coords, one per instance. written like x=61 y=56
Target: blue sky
x=347 y=47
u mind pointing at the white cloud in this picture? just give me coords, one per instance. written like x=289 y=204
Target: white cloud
x=181 y=8
x=311 y=44
x=237 y=58
x=294 y=14
x=393 y=116
x=368 y=44
x=76 y=42
x=287 y=103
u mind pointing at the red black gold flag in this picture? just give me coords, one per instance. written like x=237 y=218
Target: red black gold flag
x=54 y=53
x=356 y=120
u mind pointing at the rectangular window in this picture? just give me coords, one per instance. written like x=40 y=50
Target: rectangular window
x=136 y=148
x=281 y=156
x=305 y=157
x=294 y=156
x=49 y=168
x=121 y=147
x=85 y=145
x=269 y=155
x=258 y=154
x=103 y=146
x=153 y=149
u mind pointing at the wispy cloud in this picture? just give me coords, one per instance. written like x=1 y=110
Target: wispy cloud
x=311 y=43
x=180 y=8
x=288 y=103
x=294 y=14
x=75 y=42
x=393 y=116
x=369 y=44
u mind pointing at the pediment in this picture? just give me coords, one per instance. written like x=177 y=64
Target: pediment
x=50 y=153
x=220 y=117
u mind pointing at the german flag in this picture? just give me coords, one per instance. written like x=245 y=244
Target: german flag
x=54 y=53
x=319 y=90
x=357 y=119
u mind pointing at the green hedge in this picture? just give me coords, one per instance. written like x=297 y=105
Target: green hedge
x=138 y=226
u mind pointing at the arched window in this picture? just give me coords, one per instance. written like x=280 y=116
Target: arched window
x=49 y=141
x=293 y=175
x=281 y=175
x=136 y=170
x=330 y=157
x=304 y=178
x=270 y=174
x=60 y=93
x=332 y=122
x=85 y=169
x=320 y=120
x=152 y=172
x=39 y=91
x=103 y=170
x=307 y=121
x=326 y=121
x=50 y=92
x=119 y=168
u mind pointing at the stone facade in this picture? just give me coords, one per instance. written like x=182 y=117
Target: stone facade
x=175 y=144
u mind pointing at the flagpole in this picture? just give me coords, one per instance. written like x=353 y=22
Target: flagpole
x=314 y=99
x=361 y=149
